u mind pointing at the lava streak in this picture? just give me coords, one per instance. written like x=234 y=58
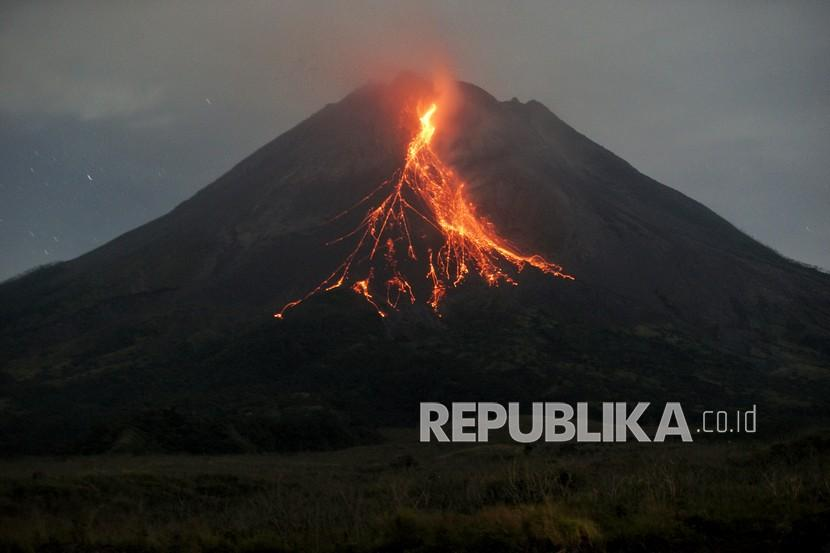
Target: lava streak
x=428 y=194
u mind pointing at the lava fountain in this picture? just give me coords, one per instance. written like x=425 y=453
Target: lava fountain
x=426 y=193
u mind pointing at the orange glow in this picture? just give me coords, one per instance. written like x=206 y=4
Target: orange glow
x=362 y=287
x=427 y=192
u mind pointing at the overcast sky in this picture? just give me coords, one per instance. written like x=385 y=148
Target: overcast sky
x=113 y=112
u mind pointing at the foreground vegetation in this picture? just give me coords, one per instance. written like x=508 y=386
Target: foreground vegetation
x=398 y=496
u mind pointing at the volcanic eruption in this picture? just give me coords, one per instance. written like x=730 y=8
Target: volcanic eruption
x=670 y=299
x=424 y=198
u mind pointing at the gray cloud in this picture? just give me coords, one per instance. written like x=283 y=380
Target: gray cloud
x=728 y=103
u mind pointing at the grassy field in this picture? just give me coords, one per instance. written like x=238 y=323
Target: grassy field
x=404 y=496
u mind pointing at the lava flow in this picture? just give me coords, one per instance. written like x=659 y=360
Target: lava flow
x=426 y=193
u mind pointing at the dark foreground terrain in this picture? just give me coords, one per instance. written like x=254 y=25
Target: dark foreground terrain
x=713 y=495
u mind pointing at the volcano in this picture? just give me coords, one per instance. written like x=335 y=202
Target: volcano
x=173 y=321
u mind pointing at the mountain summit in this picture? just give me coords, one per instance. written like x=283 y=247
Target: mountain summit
x=668 y=298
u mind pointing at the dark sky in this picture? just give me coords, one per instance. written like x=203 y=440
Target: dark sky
x=113 y=112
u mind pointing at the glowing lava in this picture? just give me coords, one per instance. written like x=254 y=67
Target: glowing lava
x=425 y=190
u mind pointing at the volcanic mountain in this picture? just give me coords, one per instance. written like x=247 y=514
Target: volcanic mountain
x=171 y=326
